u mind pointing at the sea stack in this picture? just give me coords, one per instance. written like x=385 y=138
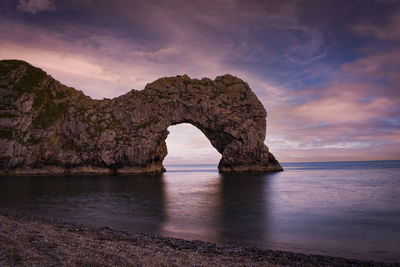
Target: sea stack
x=49 y=128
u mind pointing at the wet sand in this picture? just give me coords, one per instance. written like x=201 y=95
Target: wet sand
x=27 y=240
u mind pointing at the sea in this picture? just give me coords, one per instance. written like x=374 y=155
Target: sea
x=345 y=209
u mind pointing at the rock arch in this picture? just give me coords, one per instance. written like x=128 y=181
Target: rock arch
x=57 y=129
x=188 y=145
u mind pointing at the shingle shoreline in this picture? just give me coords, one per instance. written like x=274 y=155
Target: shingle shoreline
x=27 y=240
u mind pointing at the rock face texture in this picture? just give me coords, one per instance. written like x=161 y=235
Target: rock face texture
x=50 y=128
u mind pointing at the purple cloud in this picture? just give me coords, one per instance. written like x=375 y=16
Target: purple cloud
x=326 y=73
x=35 y=6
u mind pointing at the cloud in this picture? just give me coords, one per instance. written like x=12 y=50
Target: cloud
x=342 y=117
x=353 y=117
x=343 y=107
x=72 y=69
x=319 y=100
x=388 y=31
x=99 y=57
x=187 y=144
x=382 y=67
x=35 y=6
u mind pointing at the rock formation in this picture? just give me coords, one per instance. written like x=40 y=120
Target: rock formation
x=47 y=127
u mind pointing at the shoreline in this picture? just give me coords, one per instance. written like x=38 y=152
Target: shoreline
x=95 y=171
x=30 y=240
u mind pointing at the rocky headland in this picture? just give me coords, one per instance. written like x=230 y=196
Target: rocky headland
x=49 y=128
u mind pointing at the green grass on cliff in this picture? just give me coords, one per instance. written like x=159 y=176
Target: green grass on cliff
x=9 y=65
x=50 y=113
x=70 y=144
x=33 y=141
x=30 y=82
x=32 y=77
x=148 y=123
x=6 y=134
x=7 y=115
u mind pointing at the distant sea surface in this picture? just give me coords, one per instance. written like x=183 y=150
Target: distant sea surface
x=347 y=209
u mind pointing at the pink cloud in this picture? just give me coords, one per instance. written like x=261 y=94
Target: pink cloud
x=340 y=122
x=317 y=123
x=355 y=117
x=344 y=107
x=187 y=144
x=377 y=66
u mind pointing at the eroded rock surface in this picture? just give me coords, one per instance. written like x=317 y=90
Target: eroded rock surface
x=47 y=127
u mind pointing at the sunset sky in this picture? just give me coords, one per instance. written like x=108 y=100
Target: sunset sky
x=327 y=72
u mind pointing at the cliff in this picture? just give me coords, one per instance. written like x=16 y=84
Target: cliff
x=47 y=127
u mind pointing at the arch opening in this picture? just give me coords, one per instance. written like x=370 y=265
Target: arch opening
x=188 y=145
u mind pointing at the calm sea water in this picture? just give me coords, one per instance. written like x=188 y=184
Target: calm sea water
x=349 y=209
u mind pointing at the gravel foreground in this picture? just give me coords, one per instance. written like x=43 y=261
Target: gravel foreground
x=27 y=240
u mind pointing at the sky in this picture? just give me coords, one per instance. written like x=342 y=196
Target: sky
x=327 y=72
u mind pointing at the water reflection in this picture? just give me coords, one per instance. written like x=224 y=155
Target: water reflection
x=244 y=209
x=229 y=208
x=191 y=205
x=125 y=202
x=348 y=211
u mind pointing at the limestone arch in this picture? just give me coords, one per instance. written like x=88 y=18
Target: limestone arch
x=227 y=112
x=53 y=128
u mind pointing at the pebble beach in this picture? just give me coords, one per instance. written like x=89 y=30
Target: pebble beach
x=27 y=240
